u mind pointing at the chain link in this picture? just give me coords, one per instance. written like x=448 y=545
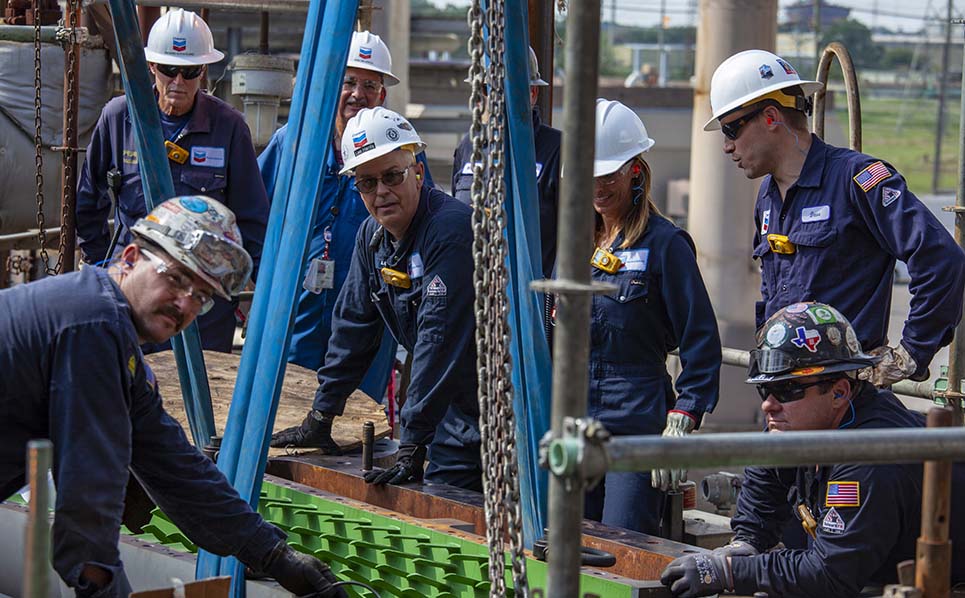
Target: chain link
x=70 y=124
x=38 y=140
x=497 y=421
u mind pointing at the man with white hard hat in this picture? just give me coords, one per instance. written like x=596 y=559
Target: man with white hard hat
x=73 y=372
x=209 y=151
x=830 y=222
x=547 y=142
x=411 y=272
x=368 y=74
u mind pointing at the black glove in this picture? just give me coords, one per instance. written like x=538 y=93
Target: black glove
x=314 y=432
x=407 y=468
x=698 y=575
x=301 y=574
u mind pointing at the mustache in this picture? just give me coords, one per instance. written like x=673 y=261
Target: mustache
x=174 y=313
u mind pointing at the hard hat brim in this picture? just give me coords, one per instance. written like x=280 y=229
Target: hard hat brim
x=388 y=79
x=377 y=153
x=808 y=87
x=611 y=165
x=209 y=58
x=537 y=82
x=856 y=363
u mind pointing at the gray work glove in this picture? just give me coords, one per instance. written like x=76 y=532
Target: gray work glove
x=408 y=467
x=301 y=574
x=678 y=424
x=314 y=432
x=896 y=364
x=736 y=548
x=698 y=575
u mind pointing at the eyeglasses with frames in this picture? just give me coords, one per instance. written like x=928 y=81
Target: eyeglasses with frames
x=180 y=283
x=172 y=70
x=392 y=178
x=787 y=391
x=611 y=179
x=732 y=129
x=368 y=85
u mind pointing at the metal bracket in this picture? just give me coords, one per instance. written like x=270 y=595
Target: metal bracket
x=63 y=35
x=577 y=455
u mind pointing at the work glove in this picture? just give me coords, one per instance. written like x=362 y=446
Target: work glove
x=698 y=575
x=408 y=467
x=301 y=574
x=736 y=548
x=895 y=365
x=678 y=424
x=314 y=432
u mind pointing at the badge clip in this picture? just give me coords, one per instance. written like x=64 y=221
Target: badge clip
x=176 y=153
x=781 y=244
x=807 y=520
x=396 y=278
x=606 y=261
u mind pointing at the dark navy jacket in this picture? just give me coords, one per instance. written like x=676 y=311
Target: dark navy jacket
x=661 y=305
x=547 y=140
x=340 y=213
x=73 y=372
x=221 y=165
x=433 y=320
x=847 y=241
x=855 y=545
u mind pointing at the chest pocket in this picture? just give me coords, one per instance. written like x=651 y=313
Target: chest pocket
x=621 y=309
x=819 y=236
x=205 y=182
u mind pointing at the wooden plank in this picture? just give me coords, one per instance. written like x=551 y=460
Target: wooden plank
x=298 y=391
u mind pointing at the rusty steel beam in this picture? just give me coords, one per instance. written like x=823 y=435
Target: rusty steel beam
x=639 y=556
x=68 y=169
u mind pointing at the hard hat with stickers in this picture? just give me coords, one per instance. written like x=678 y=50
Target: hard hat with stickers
x=806 y=339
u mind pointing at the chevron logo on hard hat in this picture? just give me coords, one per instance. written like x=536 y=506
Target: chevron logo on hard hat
x=365 y=53
x=179 y=44
x=359 y=139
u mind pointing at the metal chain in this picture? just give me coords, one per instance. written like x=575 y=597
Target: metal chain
x=38 y=140
x=497 y=421
x=70 y=56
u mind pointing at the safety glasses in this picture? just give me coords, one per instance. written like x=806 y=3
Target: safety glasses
x=187 y=72
x=368 y=86
x=392 y=178
x=787 y=391
x=732 y=129
x=180 y=282
x=611 y=179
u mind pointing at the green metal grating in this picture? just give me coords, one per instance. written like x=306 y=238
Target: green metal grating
x=397 y=558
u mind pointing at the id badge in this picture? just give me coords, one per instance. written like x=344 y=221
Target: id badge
x=320 y=276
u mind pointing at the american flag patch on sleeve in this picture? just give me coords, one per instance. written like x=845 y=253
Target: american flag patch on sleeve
x=871 y=176
x=843 y=494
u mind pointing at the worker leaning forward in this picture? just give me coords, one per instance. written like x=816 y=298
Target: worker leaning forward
x=73 y=372
x=547 y=142
x=660 y=304
x=209 y=151
x=830 y=222
x=861 y=520
x=411 y=273
x=340 y=212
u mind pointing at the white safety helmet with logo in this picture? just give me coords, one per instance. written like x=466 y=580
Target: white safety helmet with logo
x=620 y=135
x=369 y=52
x=752 y=76
x=201 y=234
x=181 y=37
x=374 y=132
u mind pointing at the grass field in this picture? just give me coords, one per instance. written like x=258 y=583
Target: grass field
x=903 y=133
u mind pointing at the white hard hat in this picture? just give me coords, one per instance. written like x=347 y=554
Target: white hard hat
x=181 y=37
x=534 y=78
x=374 y=132
x=620 y=135
x=751 y=76
x=369 y=52
x=201 y=234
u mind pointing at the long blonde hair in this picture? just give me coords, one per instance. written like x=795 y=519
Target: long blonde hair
x=635 y=222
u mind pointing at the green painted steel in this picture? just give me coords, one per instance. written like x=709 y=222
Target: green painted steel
x=397 y=558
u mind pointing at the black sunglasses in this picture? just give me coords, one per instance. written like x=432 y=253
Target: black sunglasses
x=732 y=129
x=172 y=70
x=786 y=392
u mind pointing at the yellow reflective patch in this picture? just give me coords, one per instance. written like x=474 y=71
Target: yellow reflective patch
x=131 y=365
x=130 y=157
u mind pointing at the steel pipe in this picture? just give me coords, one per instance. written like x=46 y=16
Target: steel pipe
x=790 y=449
x=37 y=541
x=21 y=33
x=956 y=351
x=933 y=554
x=837 y=50
x=240 y=5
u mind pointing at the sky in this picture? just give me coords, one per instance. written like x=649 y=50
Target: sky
x=898 y=15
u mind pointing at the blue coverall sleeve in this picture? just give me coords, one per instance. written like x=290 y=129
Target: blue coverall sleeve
x=269 y=161
x=246 y=193
x=762 y=507
x=839 y=564
x=190 y=489
x=446 y=333
x=694 y=326
x=905 y=228
x=90 y=429
x=93 y=205
x=357 y=331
